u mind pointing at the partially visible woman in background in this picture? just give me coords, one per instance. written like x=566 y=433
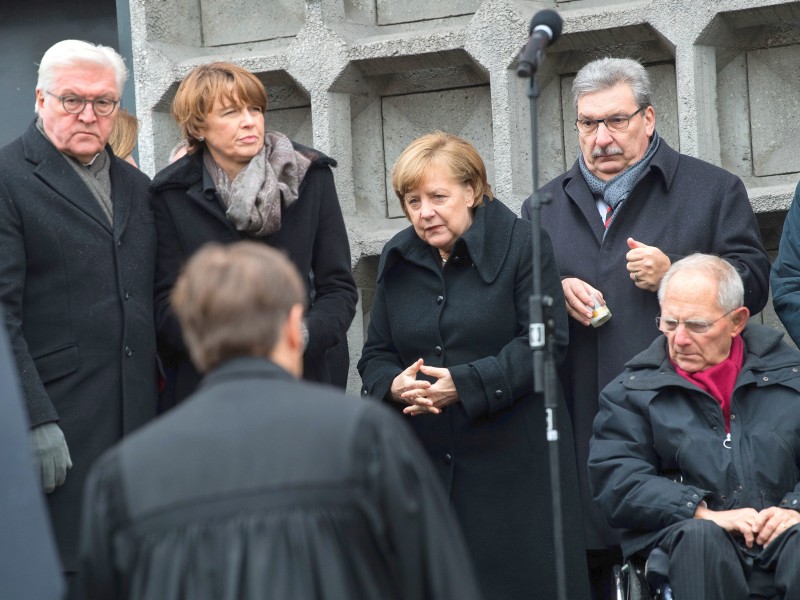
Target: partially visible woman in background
x=124 y=136
x=240 y=181
x=448 y=345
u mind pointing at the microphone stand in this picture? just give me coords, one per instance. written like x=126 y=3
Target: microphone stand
x=542 y=338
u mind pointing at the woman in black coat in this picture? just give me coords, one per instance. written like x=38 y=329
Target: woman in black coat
x=237 y=182
x=448 y=344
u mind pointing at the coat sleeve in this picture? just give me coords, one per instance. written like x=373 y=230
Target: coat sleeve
x=737 y=239
x=170 y=259
x=430 y=554
x=13 y=269
x=623 y=468
x=334 y=287
x=102 y=517
x=493 y=383
x=380 y=361
x=785 y=275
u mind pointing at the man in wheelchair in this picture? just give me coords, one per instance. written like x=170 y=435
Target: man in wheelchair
x=696 y=448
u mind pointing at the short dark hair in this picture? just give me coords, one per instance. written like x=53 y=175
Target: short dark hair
x=232 y=301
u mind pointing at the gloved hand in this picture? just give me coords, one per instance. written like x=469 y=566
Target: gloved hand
x=51 y=452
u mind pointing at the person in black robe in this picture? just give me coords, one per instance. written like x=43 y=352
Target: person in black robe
x=260 y=485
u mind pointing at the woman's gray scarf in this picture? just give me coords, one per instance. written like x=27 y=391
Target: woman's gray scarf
x=273 y=176
x=615 y=191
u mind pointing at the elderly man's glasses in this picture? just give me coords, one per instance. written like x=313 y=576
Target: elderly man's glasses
x=613 y=123
x=74 y=105
x=668 y=324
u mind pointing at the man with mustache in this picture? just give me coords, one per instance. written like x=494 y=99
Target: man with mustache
x=628 y=208
x=77 y=262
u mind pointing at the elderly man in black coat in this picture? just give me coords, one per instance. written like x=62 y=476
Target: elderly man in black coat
x=627 y=209
x=696 y=448
x=77 y=256
x=274 y=488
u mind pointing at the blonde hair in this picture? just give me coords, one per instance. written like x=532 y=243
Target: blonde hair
x=207 y=84
x=124 y=134
x=232 y=301
x=439 y=149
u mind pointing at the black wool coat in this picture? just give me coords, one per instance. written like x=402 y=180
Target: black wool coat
x=78 y=296
x=658 y=439
x=189 y=214
x=275 y=489
x=681 y=205
x=489 y=449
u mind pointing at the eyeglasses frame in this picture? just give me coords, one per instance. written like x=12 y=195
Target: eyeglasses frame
x=85 y=101
x=696 y=321
x=597 y=122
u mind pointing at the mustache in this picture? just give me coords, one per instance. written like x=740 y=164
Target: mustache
x=607 y=151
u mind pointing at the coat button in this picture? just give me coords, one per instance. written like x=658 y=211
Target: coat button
x=128 y=351
x=364 y=392
x=437 y=351
x=733 y=417
x=448 y=458
x=498 y=394
x=456 y=259
x=439 y=299
x=119 y=243
x=127 y=295
x=766 y=378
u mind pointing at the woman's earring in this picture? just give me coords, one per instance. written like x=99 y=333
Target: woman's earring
x=201 y=139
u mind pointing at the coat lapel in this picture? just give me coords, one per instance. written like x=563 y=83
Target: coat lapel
x=581 y=196
x=52 y=169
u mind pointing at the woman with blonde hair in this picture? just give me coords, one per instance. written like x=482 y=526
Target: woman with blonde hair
x=448 y=345
x=124 y=136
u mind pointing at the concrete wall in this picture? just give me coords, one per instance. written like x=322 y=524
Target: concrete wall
x=359 y=79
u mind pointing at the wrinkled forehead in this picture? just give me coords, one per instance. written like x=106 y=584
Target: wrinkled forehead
x=85 y=79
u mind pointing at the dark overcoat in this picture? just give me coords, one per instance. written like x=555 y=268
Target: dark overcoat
x=78 y=295
x=785 y=274
x=189 y=214
x=658 y=440
x=490 y=449
x=274 y=489
x=29 y=565
x=680 y=205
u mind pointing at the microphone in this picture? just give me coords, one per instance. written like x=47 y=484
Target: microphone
x=545 y=29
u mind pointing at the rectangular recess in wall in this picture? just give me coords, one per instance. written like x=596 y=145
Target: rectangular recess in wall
x=773 y=81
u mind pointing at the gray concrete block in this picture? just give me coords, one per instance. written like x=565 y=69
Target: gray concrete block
x=295 y=123
x=226 y=22
x=391 y=11
x=774 y=92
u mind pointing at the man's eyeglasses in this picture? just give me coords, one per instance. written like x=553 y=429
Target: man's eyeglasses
x=613 y=123
x=74 y=105
x=668 y=324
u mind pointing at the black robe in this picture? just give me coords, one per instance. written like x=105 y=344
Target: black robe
x=260 y=486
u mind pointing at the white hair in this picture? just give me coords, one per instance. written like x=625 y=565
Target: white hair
x=68 y=53
x=730 y=290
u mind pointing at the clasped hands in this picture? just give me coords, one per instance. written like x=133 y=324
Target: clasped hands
x=421 y=395
x=756 y=527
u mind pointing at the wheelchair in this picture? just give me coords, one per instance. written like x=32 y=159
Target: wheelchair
x=638 y=579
